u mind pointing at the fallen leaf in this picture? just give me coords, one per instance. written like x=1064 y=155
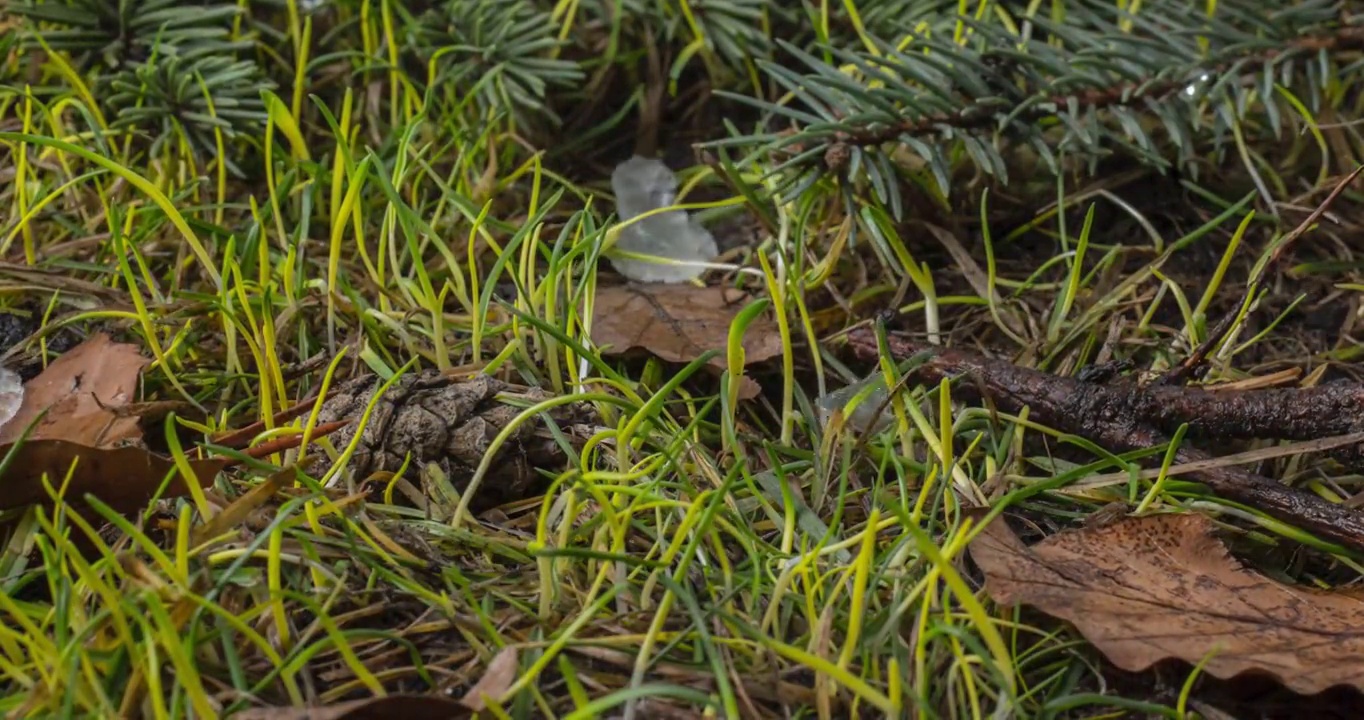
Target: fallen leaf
x=124 y=478
x=500 y=675
x=88 y=442
x=678 y=323
x=1148 y=589
x=392 y=707
x=79 y=390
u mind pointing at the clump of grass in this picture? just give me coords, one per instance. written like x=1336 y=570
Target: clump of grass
x=396 y=208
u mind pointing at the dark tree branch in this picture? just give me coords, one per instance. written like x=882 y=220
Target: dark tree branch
x=1125 y=417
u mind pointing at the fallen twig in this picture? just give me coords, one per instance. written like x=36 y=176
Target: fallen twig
x=1125 y=417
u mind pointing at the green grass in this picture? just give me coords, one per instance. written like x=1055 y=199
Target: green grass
x=735 y=558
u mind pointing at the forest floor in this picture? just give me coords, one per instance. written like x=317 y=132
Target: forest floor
x=536 y=523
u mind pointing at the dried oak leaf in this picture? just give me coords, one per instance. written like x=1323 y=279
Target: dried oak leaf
x=124 y=478
x=678 y=323
x=80 y=390
x=87 y=441
x=451 y=423
x=1148 y=589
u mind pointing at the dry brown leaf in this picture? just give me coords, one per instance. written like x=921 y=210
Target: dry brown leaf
x=678 y=323
x=393 y=707
x=1148 y=589
x=90 y=432
x=79 y=390
x=124 y=478
x=496 y=680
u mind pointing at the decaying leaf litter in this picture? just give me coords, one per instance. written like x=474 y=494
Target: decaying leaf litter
x=76 y=430
x=643 y=549
x=77 y=422
x=1147 y=589
x=446 y=425
x=680 y=323
x=1124 y=607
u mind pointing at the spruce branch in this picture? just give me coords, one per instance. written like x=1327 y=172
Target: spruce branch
x=129 y=32
x=164 y=69
x=733 y=32
x=985 y=113
x=733 y=29
x=1097 y=82
x=497 y=51
x=189 y=96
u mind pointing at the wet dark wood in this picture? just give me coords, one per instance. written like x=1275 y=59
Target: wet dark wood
x=1124 y=416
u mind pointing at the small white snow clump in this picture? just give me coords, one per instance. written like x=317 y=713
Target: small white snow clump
x=11 y=395
x=643 y=184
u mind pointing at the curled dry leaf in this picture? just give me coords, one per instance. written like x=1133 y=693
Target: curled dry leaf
x=88 y=434
x=79 y=390
x=498 y=678
x=124 y=478
x=678 y=323
x=1148 y=589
